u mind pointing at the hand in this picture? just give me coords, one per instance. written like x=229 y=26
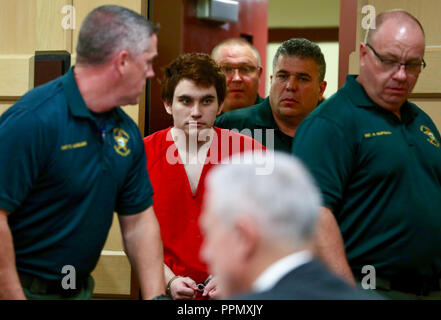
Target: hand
x=183 y=288
x=212 y=289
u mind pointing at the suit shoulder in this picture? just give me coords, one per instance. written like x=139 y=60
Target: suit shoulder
x=321 y=284
x=311 y=281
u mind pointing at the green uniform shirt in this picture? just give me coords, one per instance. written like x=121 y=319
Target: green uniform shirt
x=381 y=177
x=258 y=123
x=259 y=99
x=63 y=172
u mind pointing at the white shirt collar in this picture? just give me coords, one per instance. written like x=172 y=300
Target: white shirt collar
x=279 y=269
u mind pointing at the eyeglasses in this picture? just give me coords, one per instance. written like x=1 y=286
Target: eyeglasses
x=394 y=65
x=244 y=70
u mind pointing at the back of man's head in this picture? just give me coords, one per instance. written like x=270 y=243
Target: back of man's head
x=198 y=67
x=110 y=29
x=302 y=48
x=284 y=201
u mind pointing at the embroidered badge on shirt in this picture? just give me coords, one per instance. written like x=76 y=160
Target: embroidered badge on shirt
x=376 y=134
x=430 y=134
x=74 y=145
x=121 y=138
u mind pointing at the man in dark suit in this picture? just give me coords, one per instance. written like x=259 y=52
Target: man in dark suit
x=258 y=221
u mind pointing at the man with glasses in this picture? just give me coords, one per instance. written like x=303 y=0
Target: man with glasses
x=240 y=62
x=377 y=159
x=297 y=86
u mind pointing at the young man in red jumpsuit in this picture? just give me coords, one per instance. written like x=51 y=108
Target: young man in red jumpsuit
x=178 y=159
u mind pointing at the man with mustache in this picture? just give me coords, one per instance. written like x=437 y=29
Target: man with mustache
x=377 y=159
x=178 y=160
x=297 y=86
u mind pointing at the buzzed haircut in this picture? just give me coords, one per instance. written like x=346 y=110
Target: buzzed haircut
x=237 y=42
x=386 y=15
x=110 y=29
x=302 y=48
x=197 y=67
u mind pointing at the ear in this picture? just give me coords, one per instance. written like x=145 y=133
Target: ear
x=221 y=107
x=168 y=107
x=260 y=71
x=121 y=61
x=271 y=80
x=248 y=235
x=363 y=52
x=323 y=85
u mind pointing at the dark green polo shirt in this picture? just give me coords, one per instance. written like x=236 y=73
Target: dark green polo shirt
x=63 y=172
x=257 y=122
x=259 y=99
x=381 y=177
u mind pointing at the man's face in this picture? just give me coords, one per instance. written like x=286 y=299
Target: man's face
x=220 y=251
x=139 y=69
x=242 y=83
x=385 y=83
x=295 y=87
x=194 y=107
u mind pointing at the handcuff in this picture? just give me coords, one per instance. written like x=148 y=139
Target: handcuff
x=201 y=286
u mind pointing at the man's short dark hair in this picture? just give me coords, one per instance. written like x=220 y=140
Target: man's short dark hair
x=110 y=29
x=302 y=48
x=198 y=67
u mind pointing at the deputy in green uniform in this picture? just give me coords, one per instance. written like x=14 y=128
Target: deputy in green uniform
x=377 y=160
x=69 y=158
x=297 y=86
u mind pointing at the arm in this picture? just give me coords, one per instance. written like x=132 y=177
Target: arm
x=329 y=246
x=181 y=288
x=9 y=282
x=330 y=162
x=143 y=245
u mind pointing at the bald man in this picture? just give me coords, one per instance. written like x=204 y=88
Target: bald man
x=377 y=159
x=240 y=62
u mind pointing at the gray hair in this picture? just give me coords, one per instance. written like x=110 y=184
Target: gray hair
x=110 y=29
x=285 y=203
x=236 y=42
x=302 y=48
